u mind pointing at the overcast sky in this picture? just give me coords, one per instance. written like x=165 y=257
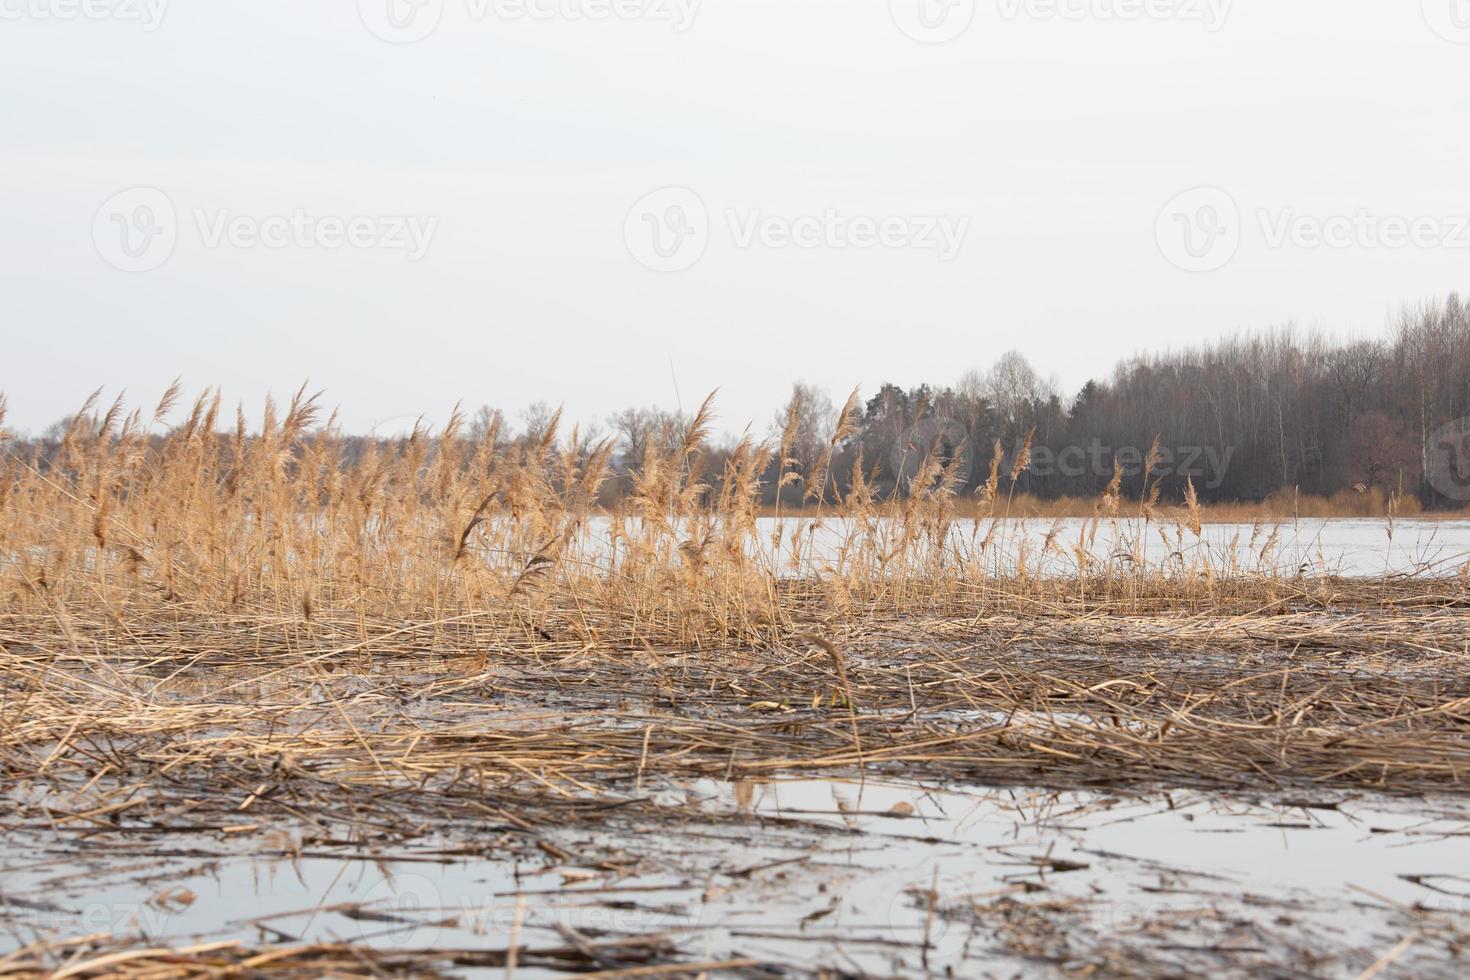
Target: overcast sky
x=505 y=201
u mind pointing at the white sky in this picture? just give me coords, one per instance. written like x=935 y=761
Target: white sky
x=1060 y=139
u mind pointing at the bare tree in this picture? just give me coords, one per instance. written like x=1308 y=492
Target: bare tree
x=487 y=420
x=639 y=428
x=539 y=419
x=1012 y=387
x=812 y=415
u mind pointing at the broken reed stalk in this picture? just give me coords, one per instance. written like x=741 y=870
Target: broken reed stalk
x=840 y=664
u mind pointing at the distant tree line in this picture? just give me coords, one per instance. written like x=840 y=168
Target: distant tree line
x=1241 y=419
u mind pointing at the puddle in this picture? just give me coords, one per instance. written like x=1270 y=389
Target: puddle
x=876 y=877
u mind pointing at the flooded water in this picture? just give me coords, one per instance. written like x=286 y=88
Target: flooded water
x=1348 y=547
x=876 y=877
x=1339 y=546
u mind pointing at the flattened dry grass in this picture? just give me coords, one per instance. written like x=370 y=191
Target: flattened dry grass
x=156 y=587
x=1366 y=694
